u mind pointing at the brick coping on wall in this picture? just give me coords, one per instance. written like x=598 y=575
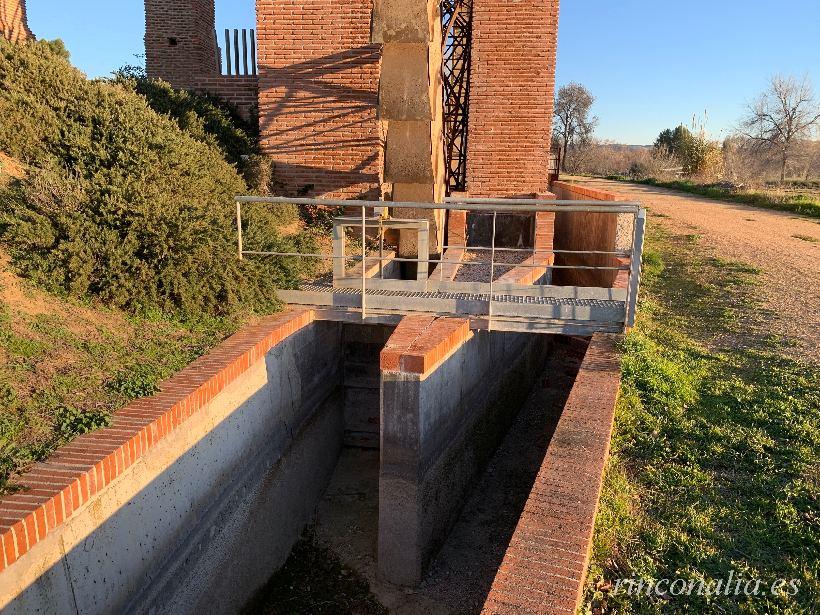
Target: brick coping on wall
x=421 y=342
x=544 y=567
x=54 y=489
x=591 y=193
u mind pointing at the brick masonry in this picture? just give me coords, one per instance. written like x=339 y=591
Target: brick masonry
x=544 y=567
x=181 y=48
x=318 y=96
x=512 y=88
x=70 y=478
x=14 y=21
x=318 y=90
x=180 y=41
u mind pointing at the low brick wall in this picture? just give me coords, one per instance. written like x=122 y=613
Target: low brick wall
x=544 y=567
x=192 y=497
x=241 y=91
x=586 y=231
x=448 y=397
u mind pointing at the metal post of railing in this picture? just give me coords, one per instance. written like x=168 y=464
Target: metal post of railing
x=228 y=64
x=381 y=248
x=635 y=267
x=492 y=275
x=364 y=263
x=239 y=227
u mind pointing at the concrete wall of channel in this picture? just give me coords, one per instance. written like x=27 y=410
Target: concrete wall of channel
x=201 y=519
x=439 y=428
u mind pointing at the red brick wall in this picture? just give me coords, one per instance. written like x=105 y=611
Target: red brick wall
x=190 y=25
x=512 y=88
x=318 y=96
x=13 y=20
x=544 y=568
x=241 y=91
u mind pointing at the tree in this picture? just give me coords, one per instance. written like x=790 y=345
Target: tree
x=573 y=124
x=786 y=113
x=675 y=142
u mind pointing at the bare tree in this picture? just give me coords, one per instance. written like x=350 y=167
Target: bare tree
x=573 y=124
x=781 y=116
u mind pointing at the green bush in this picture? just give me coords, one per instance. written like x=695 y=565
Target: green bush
x=120 y=203
x=204 y=117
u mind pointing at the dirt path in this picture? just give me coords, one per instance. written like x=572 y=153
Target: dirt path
x=778 y=243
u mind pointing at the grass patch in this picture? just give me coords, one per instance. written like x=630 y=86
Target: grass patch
x=313 y=580
x=714 y=468
x=63 y=373
x=795 y=203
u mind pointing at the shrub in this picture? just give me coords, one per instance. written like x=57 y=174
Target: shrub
x=120 y=203
x=204 y=117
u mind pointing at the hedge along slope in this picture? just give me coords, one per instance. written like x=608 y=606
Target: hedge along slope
x=120 y=203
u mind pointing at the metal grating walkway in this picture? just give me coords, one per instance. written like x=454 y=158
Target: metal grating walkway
x=505 y=312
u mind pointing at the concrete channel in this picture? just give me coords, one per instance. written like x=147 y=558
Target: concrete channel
x=384 y=439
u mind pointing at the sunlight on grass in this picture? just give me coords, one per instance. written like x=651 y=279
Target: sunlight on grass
x=714 y=460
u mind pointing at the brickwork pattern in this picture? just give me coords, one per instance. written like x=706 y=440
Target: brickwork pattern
x=242 y=91
x=420 y=342
x=544 y=567
x=14 y=21
x=511 y=97
x=52 y=490
x=180 y=41
x=318 y=96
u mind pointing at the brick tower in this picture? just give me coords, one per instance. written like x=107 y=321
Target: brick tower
x=13 y=21
x=180 y=41
x=511 y=96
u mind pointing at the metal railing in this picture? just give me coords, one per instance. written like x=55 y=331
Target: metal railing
x=540 y=256
x=239 y=54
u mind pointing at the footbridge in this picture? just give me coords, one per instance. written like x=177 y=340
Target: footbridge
x=495 y=279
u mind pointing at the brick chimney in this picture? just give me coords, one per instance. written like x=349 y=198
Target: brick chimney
x=180 y=41
x=13 y=21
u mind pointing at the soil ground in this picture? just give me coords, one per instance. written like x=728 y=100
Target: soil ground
x=784 y=246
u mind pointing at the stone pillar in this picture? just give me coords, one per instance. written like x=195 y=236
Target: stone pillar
x=512 y=88
x=411 y=109
x=180 y=41
x=13 y=21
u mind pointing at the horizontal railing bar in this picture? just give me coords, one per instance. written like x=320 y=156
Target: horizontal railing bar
x=355 y=257
x=502 y=205
x=541 y=250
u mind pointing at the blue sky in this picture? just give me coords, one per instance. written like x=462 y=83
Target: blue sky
x=651 y=64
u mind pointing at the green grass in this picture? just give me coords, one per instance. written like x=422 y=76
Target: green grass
x=795 y=203
x=64 y=372
x=714 y=466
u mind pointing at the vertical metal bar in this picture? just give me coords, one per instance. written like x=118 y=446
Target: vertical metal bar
x=239 y=227
x=381 y=248
x=253 y=51
x=236 y=49
x=218 y=52
x=635 y=267
x=492 y=275
x=364 y=255
x=244 y=51
x=228 y=50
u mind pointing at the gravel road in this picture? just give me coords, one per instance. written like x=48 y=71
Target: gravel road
x=784 y=246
